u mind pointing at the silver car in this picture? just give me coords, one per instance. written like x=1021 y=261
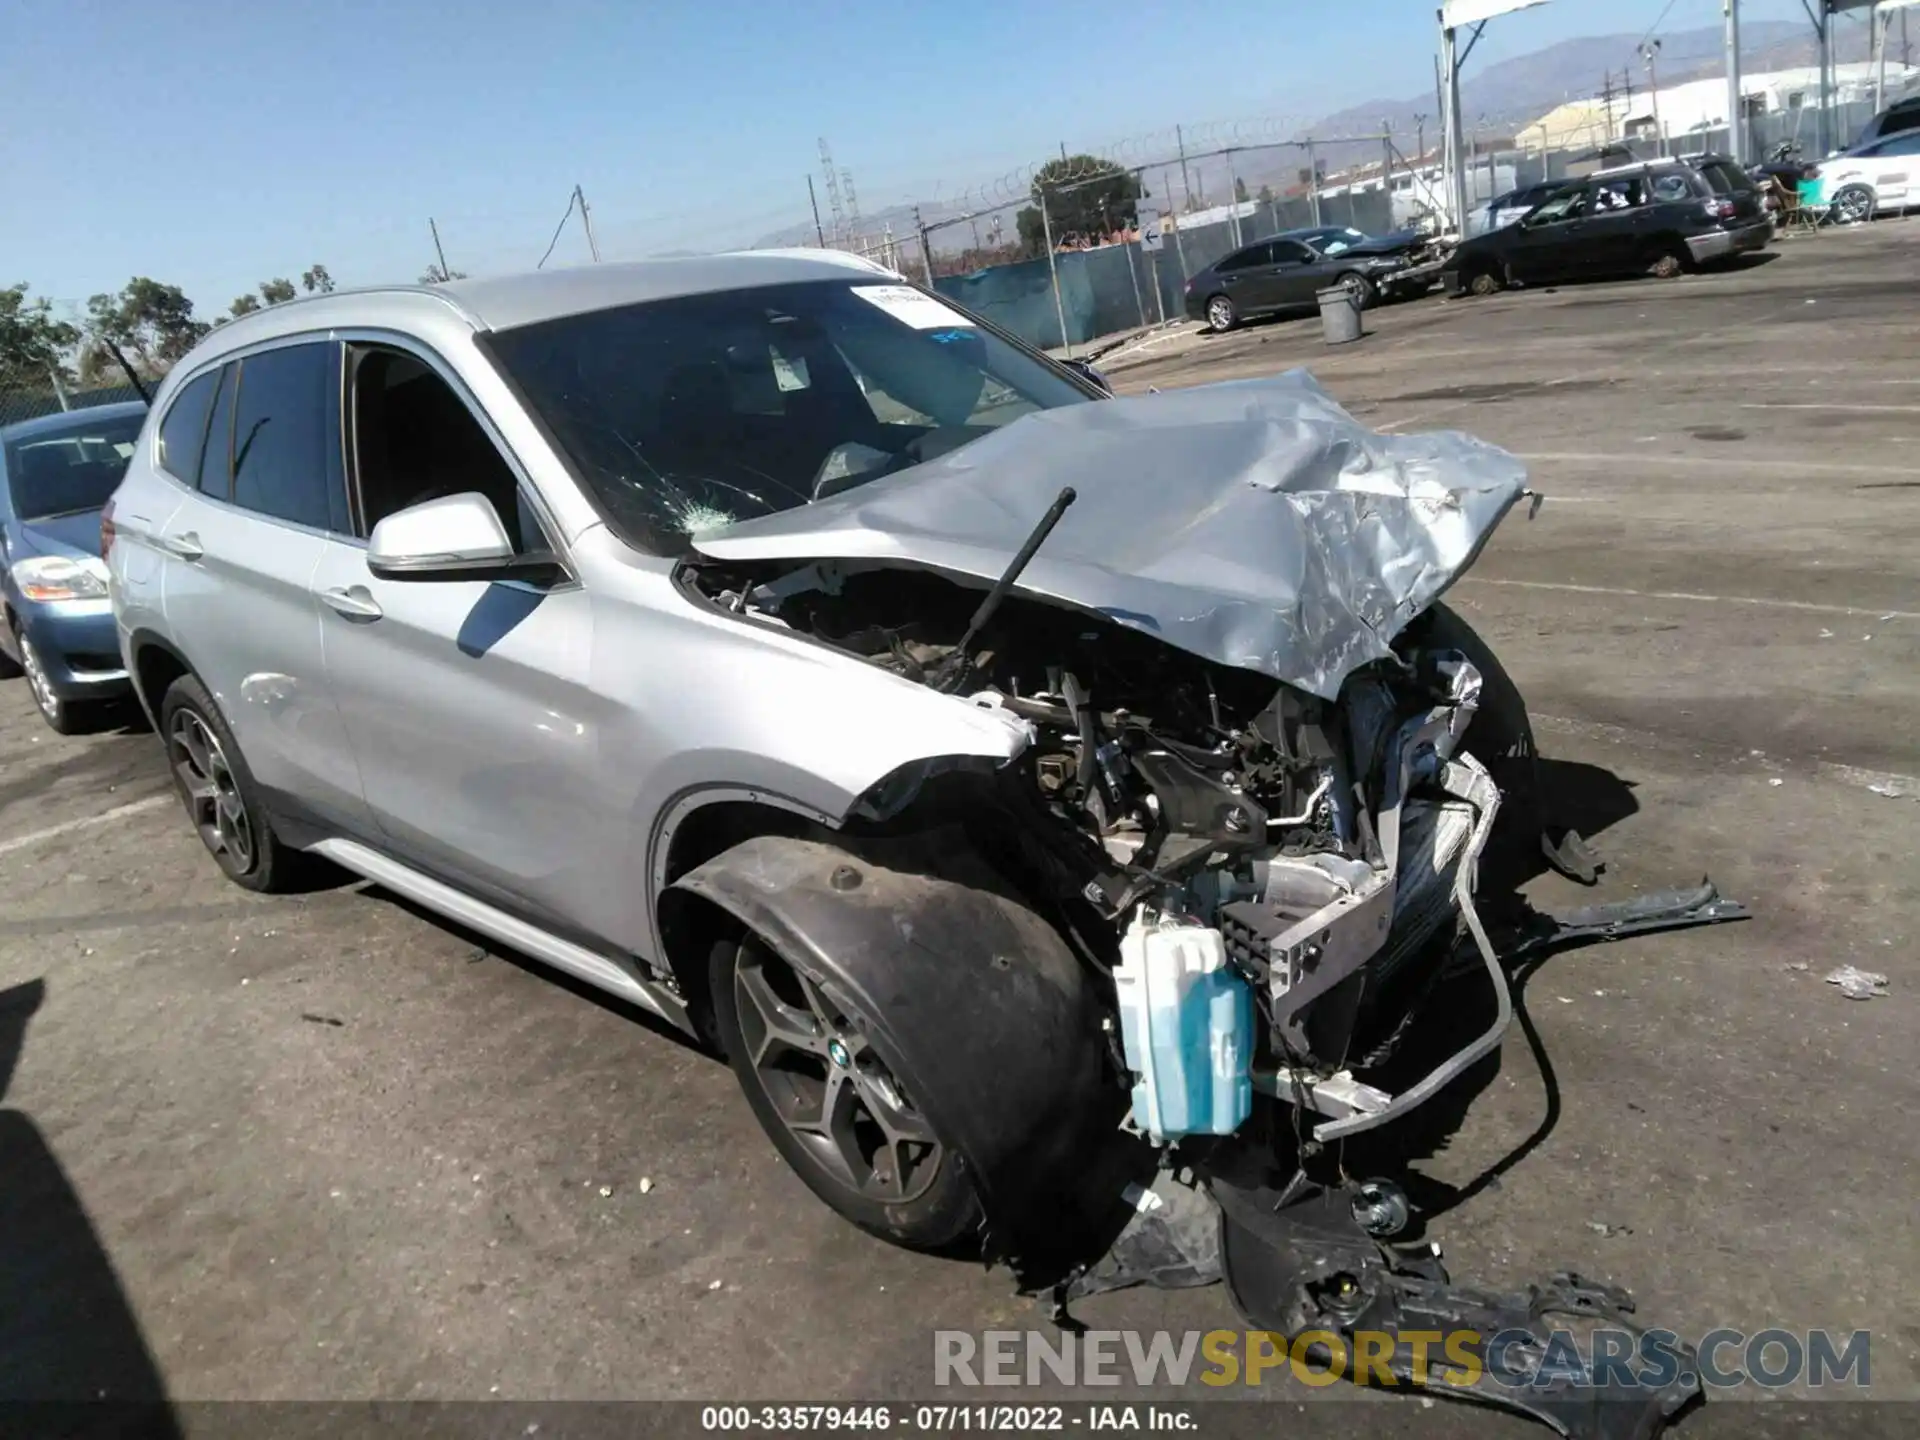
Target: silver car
x=994 y=770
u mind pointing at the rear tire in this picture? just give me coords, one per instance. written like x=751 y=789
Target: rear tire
x=1222 y=314
x=213 y=782
x=1484 y=282
x=1668 y=263
x=818 y=1072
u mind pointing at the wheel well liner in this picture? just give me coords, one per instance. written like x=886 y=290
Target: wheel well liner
x=156 y=665
x=999 y=1023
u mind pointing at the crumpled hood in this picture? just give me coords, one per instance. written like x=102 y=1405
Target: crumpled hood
x=1400 y=242
x=1254 y=523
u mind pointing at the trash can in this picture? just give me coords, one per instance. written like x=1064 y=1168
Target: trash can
x=1339 y=315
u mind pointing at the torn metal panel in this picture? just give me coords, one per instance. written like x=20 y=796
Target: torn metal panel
x=1254 y=523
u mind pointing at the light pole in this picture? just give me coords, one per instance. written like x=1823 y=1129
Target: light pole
x=1650 y=52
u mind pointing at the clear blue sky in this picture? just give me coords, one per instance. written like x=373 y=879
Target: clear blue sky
x=214 y=145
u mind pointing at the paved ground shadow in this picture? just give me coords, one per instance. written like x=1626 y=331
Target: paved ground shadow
x=73 y=1360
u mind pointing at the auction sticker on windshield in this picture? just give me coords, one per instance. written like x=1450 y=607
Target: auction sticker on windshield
x=908 y=305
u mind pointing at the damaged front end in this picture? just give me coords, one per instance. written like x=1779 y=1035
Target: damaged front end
x=1263 y=774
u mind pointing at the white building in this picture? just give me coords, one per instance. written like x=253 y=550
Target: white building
x=1679 y=110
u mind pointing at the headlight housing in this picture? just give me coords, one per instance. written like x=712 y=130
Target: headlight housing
x=56 y=577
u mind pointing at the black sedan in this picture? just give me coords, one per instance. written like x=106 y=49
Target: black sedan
x=1286 y=273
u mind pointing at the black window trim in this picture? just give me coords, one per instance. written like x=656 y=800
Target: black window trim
x=363 y=337
x=226 y=361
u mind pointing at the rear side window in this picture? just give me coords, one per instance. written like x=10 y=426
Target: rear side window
x=183 y=434
x=1672 y=186
x=1724 y=179
x=286 y=436
x=216 y=464
x=1245 y=259
x=1292 y=252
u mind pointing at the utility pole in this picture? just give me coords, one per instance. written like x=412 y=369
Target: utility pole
x=1606 y=109
x=819 y=233
x=1313 y=183
x=445 y=273
x=1053 y=271
x=1650 y=52
x=586 y=223
x=1386 y=167
x=1233 y=201
x=1186 y=186
x=1736 y=117
x=926 y=249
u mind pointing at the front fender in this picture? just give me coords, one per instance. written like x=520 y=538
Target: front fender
x=994 y=1024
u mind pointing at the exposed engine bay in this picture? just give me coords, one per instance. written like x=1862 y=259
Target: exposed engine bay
x=1324 y=844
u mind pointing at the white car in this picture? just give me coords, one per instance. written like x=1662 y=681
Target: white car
x=1875 y=176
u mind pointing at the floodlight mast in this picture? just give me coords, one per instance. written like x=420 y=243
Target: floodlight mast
x=1457 y=15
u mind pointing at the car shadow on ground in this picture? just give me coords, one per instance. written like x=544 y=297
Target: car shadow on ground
x=73 y=1360
x=1588 y=800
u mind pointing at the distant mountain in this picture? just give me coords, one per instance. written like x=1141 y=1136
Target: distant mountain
x=1497 y=99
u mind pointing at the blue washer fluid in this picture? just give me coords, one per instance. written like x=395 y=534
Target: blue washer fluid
x=1186 y=1026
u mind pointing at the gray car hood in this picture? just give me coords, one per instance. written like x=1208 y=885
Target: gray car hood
x=1254 y=523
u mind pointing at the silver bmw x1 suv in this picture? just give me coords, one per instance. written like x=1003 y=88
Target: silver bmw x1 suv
x=987 y=766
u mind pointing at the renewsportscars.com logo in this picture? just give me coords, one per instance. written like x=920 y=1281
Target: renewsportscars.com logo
x=1771 y=1359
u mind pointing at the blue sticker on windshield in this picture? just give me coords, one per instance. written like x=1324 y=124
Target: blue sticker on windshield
x=948 y=337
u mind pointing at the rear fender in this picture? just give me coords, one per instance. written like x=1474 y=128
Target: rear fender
x=996 y=1026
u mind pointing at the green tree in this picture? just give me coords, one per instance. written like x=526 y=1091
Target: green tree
x=1265 y=197
x=277 y=292
x=151 y=323
x=244 y=305
x=1085 y=195
x=1240 y=191
x=33 y=345
x=436 y=276
x=317 y=281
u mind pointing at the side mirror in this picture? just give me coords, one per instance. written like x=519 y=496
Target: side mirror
x=1089 y=374
x=457 y=537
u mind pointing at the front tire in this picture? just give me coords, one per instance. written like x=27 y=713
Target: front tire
x=61 y=718
x=1222 y=316
x=1484 y=282
x=213 y=782
x=1361 y=288
x=1853 y=206
x=819 y=1072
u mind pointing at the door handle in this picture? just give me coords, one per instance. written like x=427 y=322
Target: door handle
x=354 y=603
x=184 y=546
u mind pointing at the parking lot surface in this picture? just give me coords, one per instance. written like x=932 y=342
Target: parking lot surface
x=328 y=1148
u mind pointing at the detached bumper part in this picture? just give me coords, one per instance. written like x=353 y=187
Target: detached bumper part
x=1307 y=1265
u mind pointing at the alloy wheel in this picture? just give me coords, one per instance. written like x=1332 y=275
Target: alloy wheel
x=1356 y=286
x=211 y=791
x=1853 y=206
x=1220 y=313
x=831 y=1090
x=38 y=683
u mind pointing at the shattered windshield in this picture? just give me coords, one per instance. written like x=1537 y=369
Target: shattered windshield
x=1335 y=242
x=688 y=414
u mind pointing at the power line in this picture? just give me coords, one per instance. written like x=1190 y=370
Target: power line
x=1657 y=23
